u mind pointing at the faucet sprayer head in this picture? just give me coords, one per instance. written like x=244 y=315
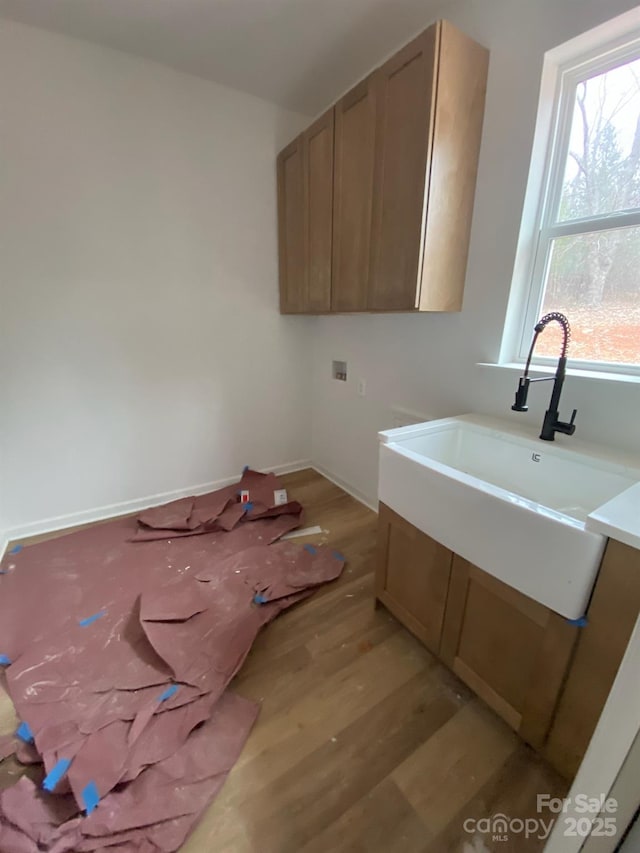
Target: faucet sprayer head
x=556 y=316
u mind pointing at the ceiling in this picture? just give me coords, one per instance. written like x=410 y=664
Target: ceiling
x=300 y=54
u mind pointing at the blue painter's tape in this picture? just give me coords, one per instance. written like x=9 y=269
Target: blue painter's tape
x=25 y=733
x=16 y=549
x=259 y=599
x=5 y=661
x=55 y=774
x=337 y=555
x=91 y=619
x=168 y=693
x=90 y=797
x=311 y=549
x=248 y=506
x=579 y=623
x=245 y=469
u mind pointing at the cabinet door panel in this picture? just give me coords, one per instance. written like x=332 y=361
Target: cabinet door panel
x=318 y=170
x=291 y=228
x=482 y=650
x=512 y=651
x=353 y=196
x=406 y=94
x=412 y=576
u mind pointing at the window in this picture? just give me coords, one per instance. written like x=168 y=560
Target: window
x=587 y=247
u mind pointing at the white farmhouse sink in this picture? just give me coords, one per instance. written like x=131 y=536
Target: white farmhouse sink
x=513 y=505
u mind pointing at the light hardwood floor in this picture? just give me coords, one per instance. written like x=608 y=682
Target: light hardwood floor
x=364 y=742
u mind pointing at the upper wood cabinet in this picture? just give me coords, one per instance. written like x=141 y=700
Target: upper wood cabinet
x=430 y=111
x=406 y=99
x=305 y=214
x=318 y=173
x=463 y=66
x=399 y=155
x=355 y=127
x=291 y=250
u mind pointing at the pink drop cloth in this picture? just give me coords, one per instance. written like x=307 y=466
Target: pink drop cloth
x=123 y=638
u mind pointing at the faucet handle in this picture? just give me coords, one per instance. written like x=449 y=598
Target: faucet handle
x=562 y=426
x=567 y=429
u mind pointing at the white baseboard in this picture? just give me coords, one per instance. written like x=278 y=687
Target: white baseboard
x=346 y=487
x=60 y=522
x=4 y=541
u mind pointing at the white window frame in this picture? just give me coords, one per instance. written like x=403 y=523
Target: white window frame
x=568 y=75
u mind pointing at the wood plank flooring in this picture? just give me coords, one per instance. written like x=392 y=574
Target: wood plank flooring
x=365 y=742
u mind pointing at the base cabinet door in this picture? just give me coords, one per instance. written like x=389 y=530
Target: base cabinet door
x=412 y=576
x=510 y=650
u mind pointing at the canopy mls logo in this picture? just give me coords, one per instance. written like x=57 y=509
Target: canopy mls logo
x=580 y=817
x=500 y=827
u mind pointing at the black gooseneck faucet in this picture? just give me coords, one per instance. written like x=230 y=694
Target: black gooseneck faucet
x=551 y=424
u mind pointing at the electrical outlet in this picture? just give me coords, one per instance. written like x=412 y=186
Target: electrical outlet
x=339 y=370
x=362 y=388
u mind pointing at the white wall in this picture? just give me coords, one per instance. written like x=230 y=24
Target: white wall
x=141 y=347
x=3 y=524
x=428 y=363
x=141 y=350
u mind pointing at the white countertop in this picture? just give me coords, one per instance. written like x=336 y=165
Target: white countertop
x=619 y=518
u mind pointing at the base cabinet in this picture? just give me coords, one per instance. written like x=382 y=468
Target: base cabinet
x=548 y=678
x=510 y=650
x=611 y=617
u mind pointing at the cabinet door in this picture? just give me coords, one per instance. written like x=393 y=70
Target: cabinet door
x=412 y=576
x=509 y=649
x=318 y=205
x=353 y=196
x=291 y=228
x=405 y=101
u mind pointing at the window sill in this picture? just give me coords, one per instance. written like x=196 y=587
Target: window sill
x=548 y=370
